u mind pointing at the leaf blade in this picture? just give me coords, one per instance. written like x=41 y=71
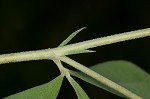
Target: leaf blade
x=49 y=90
x=78 y=89
x=123 y=73
x=70 y=37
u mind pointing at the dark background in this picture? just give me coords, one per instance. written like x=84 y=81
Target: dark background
x=37 y=24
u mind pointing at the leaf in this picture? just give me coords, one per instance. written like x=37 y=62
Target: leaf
x=79 y=91
x=79 y=51
x=49 y=90
x=123 y=73
x=70 y=37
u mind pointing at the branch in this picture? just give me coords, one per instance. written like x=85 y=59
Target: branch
x=27 y=56
x=99 y=78
x=103 y=41
x=61 y=51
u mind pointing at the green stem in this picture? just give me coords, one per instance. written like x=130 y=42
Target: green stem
x=58 y=53
x=27 y=56
x=99 y=77
x=103 y=41
x=61 y=51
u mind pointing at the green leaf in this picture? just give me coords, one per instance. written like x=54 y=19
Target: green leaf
x=70 y=37
x=49 y=90
x=123 y=73
x=79 y=91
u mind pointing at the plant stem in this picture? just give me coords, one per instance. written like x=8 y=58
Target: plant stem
x=99 y=77
x=27 y=56
x=61 y=68
x=103 y=41
x=60 y=51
